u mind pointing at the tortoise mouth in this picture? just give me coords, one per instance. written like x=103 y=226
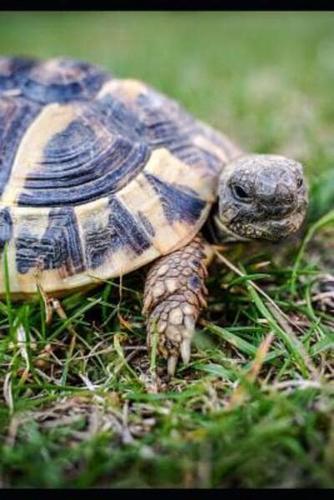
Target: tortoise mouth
x=225 y=233
x=274 y=229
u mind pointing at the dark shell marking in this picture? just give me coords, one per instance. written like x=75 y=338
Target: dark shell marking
x=54 y=80
x=123 y=231
x=6 y=227
x=62 y=80
x=177 y=203
x=13 y=71
x=15 y=117
x=119 y=118
x=59 y=246
x=146 y=223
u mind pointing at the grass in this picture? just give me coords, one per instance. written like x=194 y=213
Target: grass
x=254 y=408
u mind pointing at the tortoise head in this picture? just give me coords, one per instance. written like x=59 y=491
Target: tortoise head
x=262 y=197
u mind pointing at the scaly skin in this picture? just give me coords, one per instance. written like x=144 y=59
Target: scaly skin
x=174 y=296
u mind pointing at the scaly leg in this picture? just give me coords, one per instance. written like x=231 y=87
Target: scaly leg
x=174 y=296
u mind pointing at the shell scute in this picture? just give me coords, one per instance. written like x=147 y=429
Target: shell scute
x=62 y=80
x=118 y=230
x=58 y=247
x=119 y=118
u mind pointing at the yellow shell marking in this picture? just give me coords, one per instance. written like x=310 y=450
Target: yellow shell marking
x=129 y=89
x=53 y=119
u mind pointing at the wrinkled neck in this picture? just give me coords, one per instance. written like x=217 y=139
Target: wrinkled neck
x=216 y=232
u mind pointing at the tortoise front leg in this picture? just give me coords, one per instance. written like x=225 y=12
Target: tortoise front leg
x=174 y=296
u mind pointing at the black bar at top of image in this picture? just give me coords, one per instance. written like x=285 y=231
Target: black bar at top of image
x=165 y=5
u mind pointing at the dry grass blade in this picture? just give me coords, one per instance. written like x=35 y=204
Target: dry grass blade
x=240 y=394
x=7 y=392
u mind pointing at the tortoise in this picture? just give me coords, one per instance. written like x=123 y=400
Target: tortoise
x=100 y=176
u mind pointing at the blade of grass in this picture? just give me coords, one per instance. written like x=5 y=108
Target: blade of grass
x=242 y=279
x=232 y=339
x=323 y=221
x=217 y=370
x=123 y=363
x=67 y=323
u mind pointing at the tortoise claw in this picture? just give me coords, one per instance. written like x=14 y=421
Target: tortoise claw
x=174 y=342
x=186 y=350
x=171 y=365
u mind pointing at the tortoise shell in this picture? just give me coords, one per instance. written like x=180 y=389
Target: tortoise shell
x=98 y=175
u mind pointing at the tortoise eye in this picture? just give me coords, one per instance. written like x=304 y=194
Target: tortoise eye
x=299 y=182
x=239 y=193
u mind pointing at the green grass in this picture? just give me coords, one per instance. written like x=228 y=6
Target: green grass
x=254 y=408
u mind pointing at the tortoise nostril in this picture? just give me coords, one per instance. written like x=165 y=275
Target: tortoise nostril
x=240 y=193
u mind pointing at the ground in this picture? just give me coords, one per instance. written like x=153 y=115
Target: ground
x=254 y=408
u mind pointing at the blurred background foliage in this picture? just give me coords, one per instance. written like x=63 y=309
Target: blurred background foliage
x=265 y=78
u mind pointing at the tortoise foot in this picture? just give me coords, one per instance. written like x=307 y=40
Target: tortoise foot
x=174 y=296
x=174 y=323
